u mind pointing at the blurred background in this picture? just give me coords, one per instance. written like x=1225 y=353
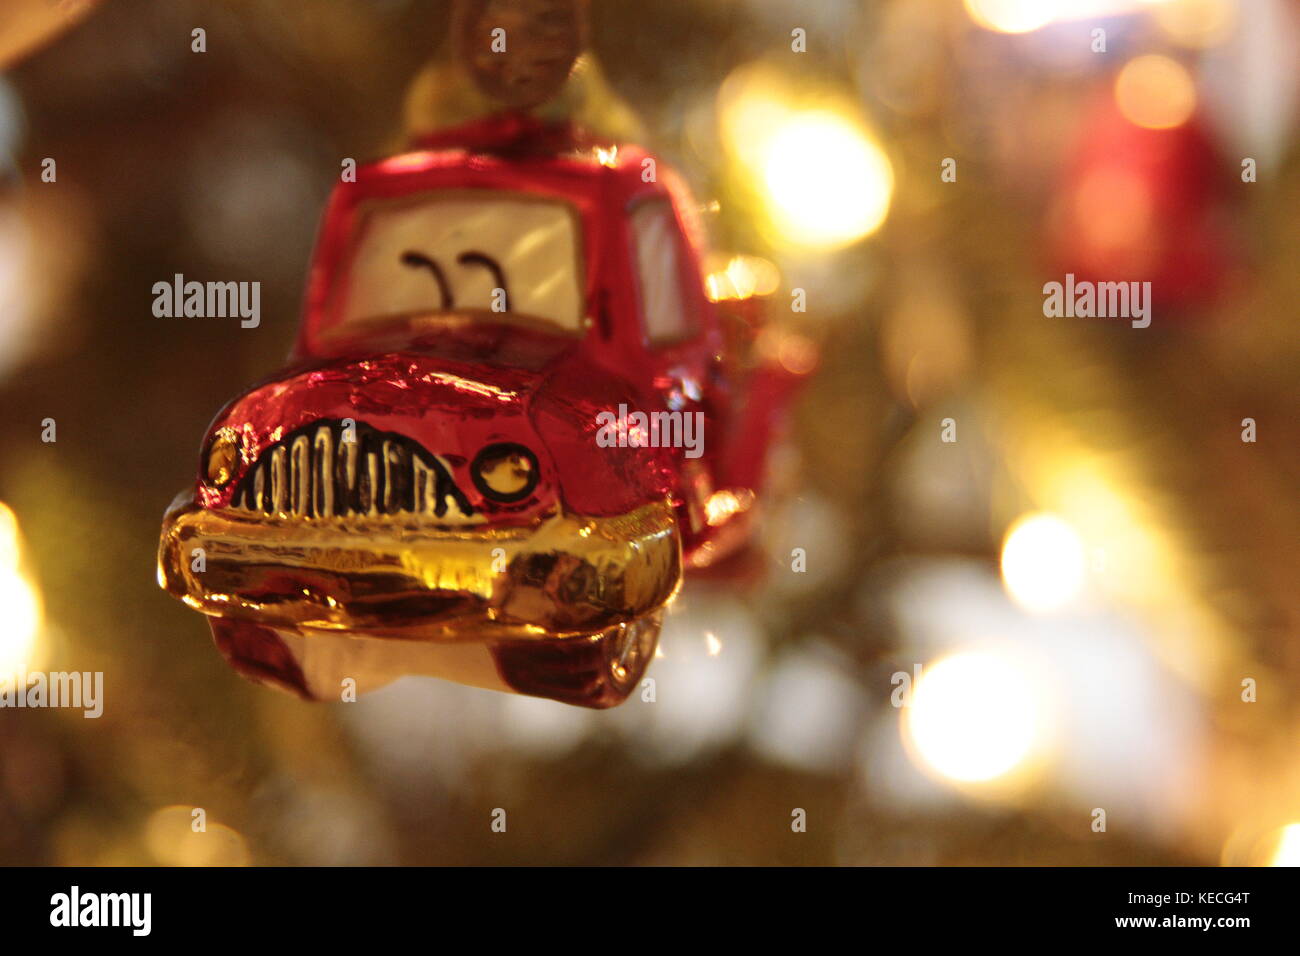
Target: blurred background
x=1050 y=568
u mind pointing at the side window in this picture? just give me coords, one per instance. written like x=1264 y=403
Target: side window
x=669 y=315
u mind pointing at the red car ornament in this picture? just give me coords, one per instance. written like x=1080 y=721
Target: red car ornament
x=512 y=419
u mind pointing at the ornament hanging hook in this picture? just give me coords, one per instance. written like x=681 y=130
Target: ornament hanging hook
x=519 y=52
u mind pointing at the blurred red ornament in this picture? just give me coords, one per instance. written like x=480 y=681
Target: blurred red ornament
x=1141 y=204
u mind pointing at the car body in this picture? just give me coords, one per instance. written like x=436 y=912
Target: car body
x=423 y=490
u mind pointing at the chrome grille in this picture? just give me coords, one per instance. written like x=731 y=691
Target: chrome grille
x=316 y=472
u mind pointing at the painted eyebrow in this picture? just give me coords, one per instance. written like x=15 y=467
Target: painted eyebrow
x=418 y=260
x=482 y=259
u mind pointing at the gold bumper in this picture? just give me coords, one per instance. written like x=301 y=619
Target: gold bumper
x=558 y=577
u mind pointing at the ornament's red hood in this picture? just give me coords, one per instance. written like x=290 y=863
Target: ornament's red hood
x=454 y=392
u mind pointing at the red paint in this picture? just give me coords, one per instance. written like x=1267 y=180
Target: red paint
x=456 y=390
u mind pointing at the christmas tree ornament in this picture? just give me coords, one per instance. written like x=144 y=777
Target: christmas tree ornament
x=1149 y=204
x=512 y=419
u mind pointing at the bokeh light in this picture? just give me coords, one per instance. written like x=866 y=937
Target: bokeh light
x=177 y=836
x=20 y=604
x=1011 y=16
x=742 y=277
x=9 y=543
x=1155 y=92
x=820 y=177
x=1113 y=214
x=827 y=183
x=1043 y=563
x=1196 y=23
x=973 y=717
x=1288 y=847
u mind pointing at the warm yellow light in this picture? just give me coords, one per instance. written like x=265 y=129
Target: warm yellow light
x=821 y=178
x=20 y=604
x=726 y=503
x=20 y=622
x=741 y=278
x=1288 y=847
x=826 y=183
x=712 y=643
x=8 y=539
x=176 y=836
x=1197 y=23
x=973 y=717
x=750 y=101
x=1011 y=16
x=1043 y=563
x=1155 y=92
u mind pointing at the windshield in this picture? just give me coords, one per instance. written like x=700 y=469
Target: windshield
x=500 y=252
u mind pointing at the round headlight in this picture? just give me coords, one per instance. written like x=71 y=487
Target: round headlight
x=505 y=472
x=223 y=456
